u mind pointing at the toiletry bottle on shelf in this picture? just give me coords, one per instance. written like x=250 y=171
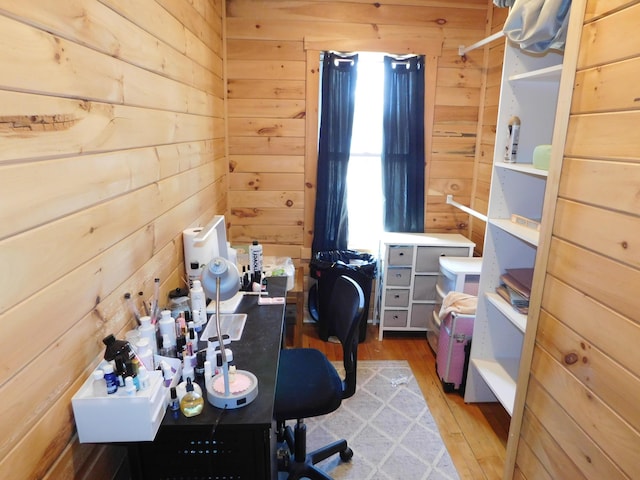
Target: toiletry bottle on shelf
x=192 y=403
x=513 y=137
x=99 y=385
x=111 y=380
x=198 y=297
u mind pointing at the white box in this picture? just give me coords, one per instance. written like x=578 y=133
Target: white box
x=119 y=417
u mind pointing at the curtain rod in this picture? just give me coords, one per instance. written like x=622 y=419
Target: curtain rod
x=462 y=50
x=464 y=208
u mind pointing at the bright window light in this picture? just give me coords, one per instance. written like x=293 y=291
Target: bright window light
x=364 y=178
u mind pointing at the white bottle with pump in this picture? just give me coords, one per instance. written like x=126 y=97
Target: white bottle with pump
x=145 y=354
x=198 y=298
x=167 y=327
x=255 y=257
x=148 y=330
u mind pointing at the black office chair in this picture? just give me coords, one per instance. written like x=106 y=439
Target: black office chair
x=308 y=385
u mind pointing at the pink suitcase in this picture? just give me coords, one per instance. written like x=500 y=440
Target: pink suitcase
x=454 y=343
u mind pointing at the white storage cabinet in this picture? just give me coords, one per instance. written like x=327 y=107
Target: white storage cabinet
x=408 y=274
x=529 y=90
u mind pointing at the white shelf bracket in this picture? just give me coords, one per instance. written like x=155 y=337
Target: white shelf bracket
x=462 y=50
x=464 y=208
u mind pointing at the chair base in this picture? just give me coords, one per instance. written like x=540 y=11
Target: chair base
x=300 y=464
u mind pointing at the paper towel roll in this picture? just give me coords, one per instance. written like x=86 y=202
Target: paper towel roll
x=197 y=254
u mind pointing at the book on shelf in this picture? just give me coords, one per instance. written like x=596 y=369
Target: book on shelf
x=517 y=301
x=519 y=279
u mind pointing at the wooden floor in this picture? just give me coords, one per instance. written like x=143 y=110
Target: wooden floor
x=475 y=434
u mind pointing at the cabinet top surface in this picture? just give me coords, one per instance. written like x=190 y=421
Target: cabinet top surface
x=436 y=239
x=471 y=265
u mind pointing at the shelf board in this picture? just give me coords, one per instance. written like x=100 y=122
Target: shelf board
x=529 y=235
x=523 y=167
x=500 y=375
x=547 y=74
x=518 y=319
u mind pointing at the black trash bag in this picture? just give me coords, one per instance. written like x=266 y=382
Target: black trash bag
x=326 y=267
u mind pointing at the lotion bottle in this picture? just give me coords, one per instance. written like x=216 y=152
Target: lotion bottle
x=198 y=298
x=148 y=330
x=255 y=257
x=167 y=327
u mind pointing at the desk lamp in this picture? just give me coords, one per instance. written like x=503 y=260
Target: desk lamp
x=221 y=280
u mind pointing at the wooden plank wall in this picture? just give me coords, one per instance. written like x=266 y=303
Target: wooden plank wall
x=486 y=140
x=581 y=417
x=271 y=80
x=112 y=141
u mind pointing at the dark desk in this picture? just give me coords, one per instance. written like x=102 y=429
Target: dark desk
x=238 y=443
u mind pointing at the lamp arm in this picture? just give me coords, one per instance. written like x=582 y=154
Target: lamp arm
x=223 y=353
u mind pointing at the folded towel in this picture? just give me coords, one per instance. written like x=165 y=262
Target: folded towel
x=458 y=302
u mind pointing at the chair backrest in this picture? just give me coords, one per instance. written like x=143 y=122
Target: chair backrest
x=344 y=313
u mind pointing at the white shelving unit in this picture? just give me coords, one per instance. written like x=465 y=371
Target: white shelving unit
x=529 y=90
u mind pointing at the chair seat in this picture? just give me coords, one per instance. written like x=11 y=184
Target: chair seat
x=308 y=385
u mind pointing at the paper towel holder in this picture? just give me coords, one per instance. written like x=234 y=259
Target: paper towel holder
x=202 y=244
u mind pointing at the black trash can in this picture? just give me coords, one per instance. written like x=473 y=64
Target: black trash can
x=326 y=267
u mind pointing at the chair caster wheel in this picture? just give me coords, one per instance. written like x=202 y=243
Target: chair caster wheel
x=346 y=455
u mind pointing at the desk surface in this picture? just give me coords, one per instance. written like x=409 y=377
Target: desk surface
x=257 y=351
x=235 y=443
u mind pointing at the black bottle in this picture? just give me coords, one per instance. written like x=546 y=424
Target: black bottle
x=117 y=348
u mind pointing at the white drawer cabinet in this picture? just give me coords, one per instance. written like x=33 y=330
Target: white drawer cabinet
x=408 y=275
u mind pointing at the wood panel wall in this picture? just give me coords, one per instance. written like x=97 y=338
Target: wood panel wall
x=486 y=140
x=112 y=141
x=581 y=418
x=272 y=90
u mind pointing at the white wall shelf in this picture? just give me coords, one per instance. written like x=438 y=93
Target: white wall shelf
x=529 y=90
x=519 y=320
x=501 y=375
x=529 y=235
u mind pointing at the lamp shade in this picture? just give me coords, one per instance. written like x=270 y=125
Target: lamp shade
x=226 y=272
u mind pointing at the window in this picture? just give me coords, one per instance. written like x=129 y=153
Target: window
x=364 y=182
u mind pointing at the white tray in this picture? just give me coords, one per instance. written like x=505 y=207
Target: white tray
x=232 y=324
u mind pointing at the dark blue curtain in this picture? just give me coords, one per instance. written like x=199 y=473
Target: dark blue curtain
x=403 y=161
x=331 y=228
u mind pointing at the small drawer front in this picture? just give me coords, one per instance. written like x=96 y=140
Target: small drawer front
x=447 y=281
x=428 y=258
x=401 y=255
x=471 y=284
x=424 y=287
x=396 y=298
x=395 y=318
x=398 y=277
x=420 y=314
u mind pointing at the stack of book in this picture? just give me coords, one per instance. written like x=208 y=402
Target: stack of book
x=516 y=287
